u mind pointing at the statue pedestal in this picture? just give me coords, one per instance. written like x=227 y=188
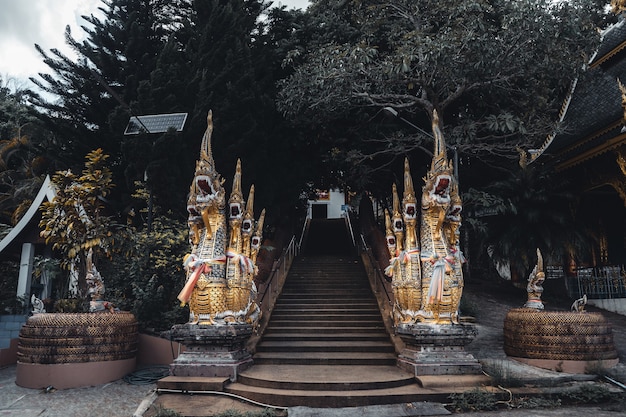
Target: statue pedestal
x=437 y=349
x=212 y=351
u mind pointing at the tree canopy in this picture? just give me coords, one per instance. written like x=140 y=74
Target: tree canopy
x=496 y=71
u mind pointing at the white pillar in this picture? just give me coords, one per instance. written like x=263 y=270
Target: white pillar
x=26 y=270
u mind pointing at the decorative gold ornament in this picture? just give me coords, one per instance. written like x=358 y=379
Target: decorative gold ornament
x=220 y=285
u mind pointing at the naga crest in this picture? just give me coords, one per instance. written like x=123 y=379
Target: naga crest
x=225 y=240
x=439 y=180
x=206 y=193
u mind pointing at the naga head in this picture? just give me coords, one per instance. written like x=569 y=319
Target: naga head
x=440 y=178
x=206 y=191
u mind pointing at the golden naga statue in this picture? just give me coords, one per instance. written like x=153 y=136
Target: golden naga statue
x=535 y=282
x=221 y=267
x=427 y=275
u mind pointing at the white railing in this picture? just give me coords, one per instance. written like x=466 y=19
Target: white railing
x=346 y=216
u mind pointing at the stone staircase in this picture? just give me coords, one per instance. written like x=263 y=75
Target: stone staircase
x=326 y=343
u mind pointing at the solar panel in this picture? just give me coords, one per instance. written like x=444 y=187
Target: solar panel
x=155 y=123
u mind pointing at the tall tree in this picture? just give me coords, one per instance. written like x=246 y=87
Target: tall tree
x=95 y=94
x=496 y=71
x=24 y=153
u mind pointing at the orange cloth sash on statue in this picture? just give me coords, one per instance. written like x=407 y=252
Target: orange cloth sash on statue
x=198 y=267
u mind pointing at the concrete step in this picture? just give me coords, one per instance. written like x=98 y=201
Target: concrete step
x=325 y=346
x=325 y=303
x=335 y=399
x=192 y=383
x=325 y=378
x=325 y=358
x=329 y=323
x=324 y=329
x=306 y=309
x=327 y=295
x=324 y=316
x=307 y=303
x=371 y=336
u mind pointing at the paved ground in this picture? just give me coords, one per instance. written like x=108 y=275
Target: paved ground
x=489 y=304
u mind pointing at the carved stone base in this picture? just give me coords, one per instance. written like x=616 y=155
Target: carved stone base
x=212 y=350
x=437 y=349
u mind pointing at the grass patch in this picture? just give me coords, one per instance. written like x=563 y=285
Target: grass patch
x=588 y=394
x=263 y=413
x=474 y=400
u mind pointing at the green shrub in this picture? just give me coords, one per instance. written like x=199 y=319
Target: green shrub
x=166 y=412
x=536 y=402
x=146 y=273
x=235 y=413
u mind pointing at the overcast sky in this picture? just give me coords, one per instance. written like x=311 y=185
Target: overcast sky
x=24 y=23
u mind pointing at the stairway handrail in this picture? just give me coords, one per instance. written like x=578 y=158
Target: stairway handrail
x=372 y=268
x=273 y=286
x=305 y=226
x=346 y=215
x=280 y=268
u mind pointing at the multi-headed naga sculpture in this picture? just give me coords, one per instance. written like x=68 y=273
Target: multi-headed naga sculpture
x=427 y=275
x=224 y=245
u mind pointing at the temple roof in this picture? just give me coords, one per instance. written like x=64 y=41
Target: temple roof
x=46 y=192
x=593 y=122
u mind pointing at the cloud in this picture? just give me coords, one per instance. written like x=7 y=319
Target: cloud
x=26 y=23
